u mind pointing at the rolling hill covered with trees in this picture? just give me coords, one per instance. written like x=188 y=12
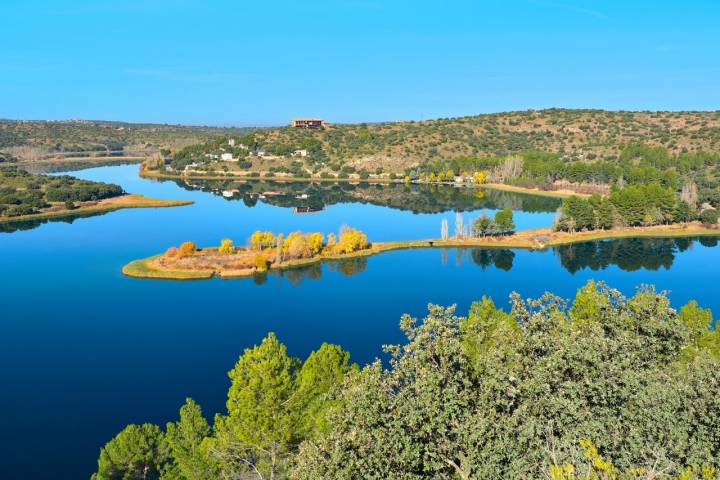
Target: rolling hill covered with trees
x=584 y=150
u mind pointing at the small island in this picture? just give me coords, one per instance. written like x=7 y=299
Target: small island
x=25 y=196
x=268 y=251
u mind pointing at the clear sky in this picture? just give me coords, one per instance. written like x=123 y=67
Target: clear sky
x=261 y=62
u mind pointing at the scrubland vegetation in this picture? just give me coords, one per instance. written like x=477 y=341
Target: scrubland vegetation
x=600 y=387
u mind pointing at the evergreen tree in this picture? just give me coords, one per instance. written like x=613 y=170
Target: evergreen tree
x=504 y=221
x=256 y=435
x=138 y=452
x=185 y=439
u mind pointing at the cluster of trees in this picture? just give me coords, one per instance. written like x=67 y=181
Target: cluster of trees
x=636 y=164
x=306 y=245
x=274 y=403
x=502 y=224
x=22 y=193
x=533 y=392
x=633 y=205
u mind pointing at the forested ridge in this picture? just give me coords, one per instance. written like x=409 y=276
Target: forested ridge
x=603 y=387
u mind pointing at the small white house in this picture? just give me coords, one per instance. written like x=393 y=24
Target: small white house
x=261 y=153
x=231 y=142
x=226 y=157
x=299 y=153
x=243 y=147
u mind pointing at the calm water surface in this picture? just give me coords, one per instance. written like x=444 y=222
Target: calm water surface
x=85 y=350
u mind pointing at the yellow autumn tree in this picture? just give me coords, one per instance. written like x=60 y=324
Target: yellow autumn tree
x=315 y=242
x=226 y=246
x=268 y=239
x=260 y=262
x=187 y=248
x=351 y=240
x=260 y=239
x=256 y=239
x=480 y=177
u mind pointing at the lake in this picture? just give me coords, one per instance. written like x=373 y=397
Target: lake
x=85 y=351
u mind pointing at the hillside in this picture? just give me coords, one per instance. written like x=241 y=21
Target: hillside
x=392 y=146
x=576 y=133
x=396 y=147
x=32 y=141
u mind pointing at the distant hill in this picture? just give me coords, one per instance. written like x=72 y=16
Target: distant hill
x=576 y=133
x=36 y=140
x=393 y=146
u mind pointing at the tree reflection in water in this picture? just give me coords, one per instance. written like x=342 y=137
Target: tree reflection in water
x=314 y=271
x=628 y=254
x=500 y=258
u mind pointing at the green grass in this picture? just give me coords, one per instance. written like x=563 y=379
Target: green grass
x=142 y=269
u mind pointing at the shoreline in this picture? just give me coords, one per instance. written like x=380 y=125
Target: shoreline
x=71 y=160
x=525 y=239
x=564 y=193
x=130 y=200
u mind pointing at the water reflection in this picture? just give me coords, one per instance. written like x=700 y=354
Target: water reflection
x=11 y=225
x=628 y=254
x=314 y=196
x=314 y=271
x=74 y=165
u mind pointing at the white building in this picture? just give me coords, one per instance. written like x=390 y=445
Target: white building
x=299 y=153
x=226 y=157
x=231 y=142
x=261 y=153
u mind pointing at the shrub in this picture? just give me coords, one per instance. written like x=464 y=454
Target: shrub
x=187 y=248
x=260 y=262
x=709 y=216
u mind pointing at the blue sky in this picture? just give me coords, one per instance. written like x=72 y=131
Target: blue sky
x=262 y=62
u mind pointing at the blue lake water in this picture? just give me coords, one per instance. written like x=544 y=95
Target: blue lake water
x=85 y=351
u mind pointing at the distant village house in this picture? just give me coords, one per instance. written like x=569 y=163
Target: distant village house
x=300 y=153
